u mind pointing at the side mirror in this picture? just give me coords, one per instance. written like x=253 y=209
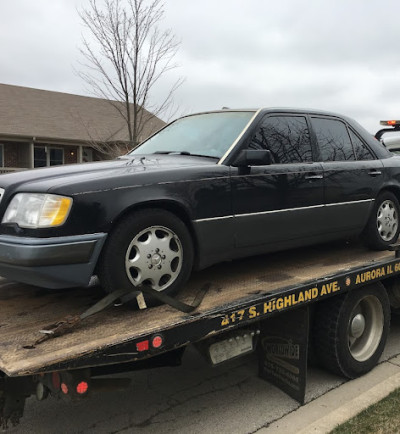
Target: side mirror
x=253 y=157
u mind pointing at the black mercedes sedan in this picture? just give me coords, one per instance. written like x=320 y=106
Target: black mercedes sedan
x=208 y=187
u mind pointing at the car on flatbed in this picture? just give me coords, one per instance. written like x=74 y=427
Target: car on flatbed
x=207 y=188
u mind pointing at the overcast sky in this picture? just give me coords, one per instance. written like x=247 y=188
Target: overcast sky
x=339 y=55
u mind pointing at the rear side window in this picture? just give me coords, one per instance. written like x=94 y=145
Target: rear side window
x=287 y=137
x=360 y=148
x=333 y=140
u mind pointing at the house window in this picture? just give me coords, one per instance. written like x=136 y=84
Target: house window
x=87 y=155
x=1 y=155
x=45 y=156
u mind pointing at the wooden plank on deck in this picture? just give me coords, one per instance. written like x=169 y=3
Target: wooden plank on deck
x=24 y=310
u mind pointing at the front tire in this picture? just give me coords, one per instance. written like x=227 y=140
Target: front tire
x=383 y=226
x=350 y=331
x=149 y=247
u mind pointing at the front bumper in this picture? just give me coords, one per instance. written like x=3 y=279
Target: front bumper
x=58 y=262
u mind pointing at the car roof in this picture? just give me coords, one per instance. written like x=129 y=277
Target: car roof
x=273 y=109
x=264 y=110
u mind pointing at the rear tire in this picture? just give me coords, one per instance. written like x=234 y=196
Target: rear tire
x=147 y=247
x=383 y=226
x=350 y=331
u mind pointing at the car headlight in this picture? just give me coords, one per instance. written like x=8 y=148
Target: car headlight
x=37 y=210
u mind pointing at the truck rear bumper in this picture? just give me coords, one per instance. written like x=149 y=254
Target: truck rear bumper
x=58 y=262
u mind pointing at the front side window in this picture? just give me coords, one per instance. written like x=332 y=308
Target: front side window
x=333 y=140
x=208 y=134
x=287 y=137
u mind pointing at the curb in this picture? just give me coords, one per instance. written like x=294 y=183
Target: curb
x=341 y=404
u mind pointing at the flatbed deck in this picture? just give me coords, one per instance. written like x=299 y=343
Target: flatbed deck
x=107 y=337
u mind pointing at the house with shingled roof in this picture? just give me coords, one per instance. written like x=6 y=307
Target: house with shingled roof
x=40 y=128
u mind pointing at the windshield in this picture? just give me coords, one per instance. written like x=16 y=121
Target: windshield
x=209 y=135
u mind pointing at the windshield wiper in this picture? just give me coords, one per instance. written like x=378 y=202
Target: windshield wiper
x=186 y=153
x=205 y=156
x=173 y=152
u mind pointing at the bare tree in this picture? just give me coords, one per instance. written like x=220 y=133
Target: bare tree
x=126 y=56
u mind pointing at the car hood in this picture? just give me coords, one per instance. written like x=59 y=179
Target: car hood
x=48 y=178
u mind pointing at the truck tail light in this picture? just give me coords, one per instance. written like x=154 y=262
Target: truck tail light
x=157 y=341
x=82 y=387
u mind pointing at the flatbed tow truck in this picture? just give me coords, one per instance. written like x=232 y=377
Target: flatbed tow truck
x=333 y=300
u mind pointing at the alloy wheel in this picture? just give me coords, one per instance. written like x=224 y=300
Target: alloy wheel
x=154 y=257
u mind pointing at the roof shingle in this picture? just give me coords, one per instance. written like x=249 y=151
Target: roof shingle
x=28 y=112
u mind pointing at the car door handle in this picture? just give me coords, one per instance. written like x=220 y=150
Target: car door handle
x=374 y=173
x=314 y=176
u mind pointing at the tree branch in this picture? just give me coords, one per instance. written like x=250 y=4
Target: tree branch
x=126 y=56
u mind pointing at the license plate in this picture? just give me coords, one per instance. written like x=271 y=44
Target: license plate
x=234 y=346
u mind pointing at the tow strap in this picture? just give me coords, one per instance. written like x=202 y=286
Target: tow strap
x=61 y=327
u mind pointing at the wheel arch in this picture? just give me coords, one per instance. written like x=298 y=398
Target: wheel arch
x=171 y=206
x=391 y=188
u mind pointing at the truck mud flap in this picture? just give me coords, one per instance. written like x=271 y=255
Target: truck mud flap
x=283 y=352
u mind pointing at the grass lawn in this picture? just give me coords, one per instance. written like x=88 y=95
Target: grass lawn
x=383 y=417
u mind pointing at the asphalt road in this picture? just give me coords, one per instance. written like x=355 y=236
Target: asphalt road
x=194 y=398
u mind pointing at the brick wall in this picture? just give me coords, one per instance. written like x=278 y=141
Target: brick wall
x=11 y=157
x=16 y=154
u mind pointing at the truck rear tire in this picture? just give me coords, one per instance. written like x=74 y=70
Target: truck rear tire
x=350 y=331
